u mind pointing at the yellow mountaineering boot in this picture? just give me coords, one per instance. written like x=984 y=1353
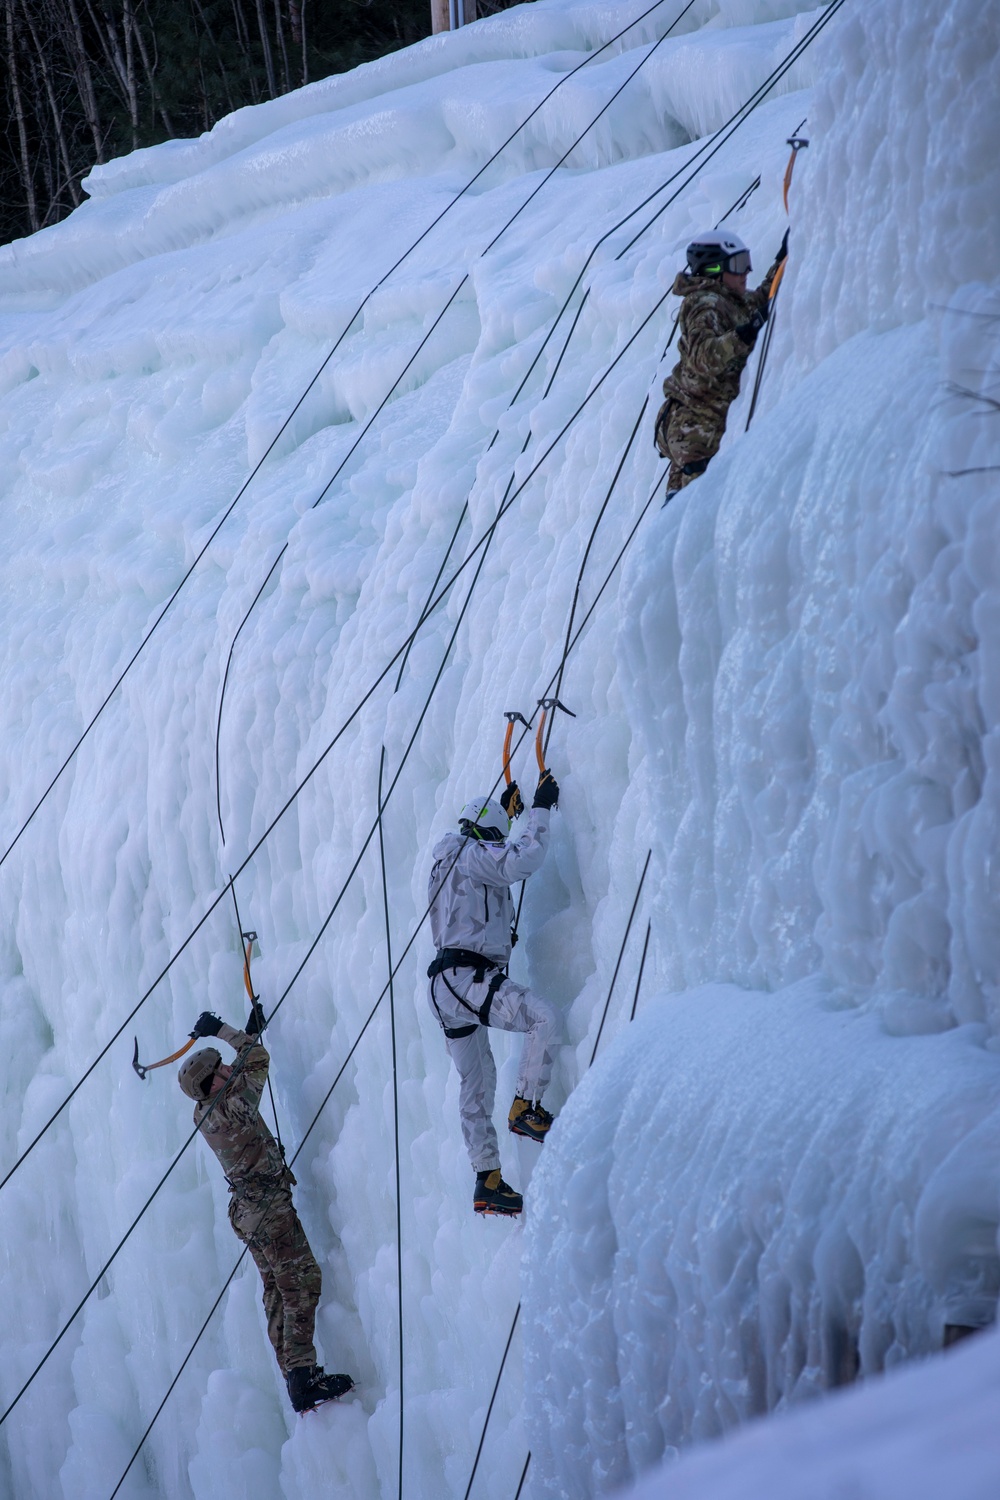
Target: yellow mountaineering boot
x=529 y=1119
x=494 y=1196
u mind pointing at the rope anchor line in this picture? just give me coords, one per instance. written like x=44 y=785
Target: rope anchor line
x=833 y=9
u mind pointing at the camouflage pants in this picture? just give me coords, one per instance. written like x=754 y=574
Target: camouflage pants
x=693 y=435
x=266 y=1221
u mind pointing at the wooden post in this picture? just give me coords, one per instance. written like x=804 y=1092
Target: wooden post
x=442 y=11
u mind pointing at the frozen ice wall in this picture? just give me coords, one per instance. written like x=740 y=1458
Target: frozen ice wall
x=152 y=346
x=731 y=686
x=796 y=1178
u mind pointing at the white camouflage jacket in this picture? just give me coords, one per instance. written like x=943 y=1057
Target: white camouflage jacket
x=469 y=889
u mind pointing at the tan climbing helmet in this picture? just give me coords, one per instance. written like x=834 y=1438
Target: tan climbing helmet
x=198 y=1071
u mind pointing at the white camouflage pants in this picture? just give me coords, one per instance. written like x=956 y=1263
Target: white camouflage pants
x=514 y=1008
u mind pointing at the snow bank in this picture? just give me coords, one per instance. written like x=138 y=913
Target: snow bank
x=914 y=1435
x=690 y=1262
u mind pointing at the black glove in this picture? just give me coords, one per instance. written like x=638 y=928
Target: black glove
x=783 y=251
x=748 y=331
x=510 y=800
x=207 y=1025
x=547 y=791
x=255 y=1025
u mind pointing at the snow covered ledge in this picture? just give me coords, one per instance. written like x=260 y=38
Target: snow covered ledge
x=921 y=1434
x=750 y=1198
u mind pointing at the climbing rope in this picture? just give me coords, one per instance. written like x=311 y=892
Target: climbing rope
x=642 y=968
x=509 y=499
x=439 y=316
x=395 y=1113
x=284 y=427
x=572 y=643
x=756 y=100
x=489 y=1409
x=621 y=955
x=327 y=1096
x=701 y=156
x=517 y=1310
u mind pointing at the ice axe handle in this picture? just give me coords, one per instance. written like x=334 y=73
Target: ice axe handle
x=545 y=704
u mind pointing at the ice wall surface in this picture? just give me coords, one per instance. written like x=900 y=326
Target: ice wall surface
x=786 y=694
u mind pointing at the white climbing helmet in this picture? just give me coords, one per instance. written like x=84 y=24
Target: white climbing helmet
x=718 y=250
x=484 y=818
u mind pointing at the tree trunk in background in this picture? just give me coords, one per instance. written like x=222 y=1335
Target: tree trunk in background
x=82 y=80
x=272 y=85
x=85 y=80
x=439 y=16
x=57 y=118
x=26 y=175
x=279 y=31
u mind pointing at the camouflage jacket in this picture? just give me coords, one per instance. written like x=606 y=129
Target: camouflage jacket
x=712 y=357
x=231 y=1122
x=469 y=888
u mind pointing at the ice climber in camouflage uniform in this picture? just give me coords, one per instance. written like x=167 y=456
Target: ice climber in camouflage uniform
x=472 y=915
x=227 y=1112
x=719 y=324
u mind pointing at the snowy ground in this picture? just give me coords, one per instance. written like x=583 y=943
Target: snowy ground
x=914 y=1435
x=787 y=692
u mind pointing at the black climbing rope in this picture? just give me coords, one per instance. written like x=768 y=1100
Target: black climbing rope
x=284 y=426
x=642 y=969
x=373 y=417
x=395 y=1113
x=575 y=638
x=329 y=1093
x=621 y=955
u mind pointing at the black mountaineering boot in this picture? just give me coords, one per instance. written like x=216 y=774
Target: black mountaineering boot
x=494 y=1196
x=309 y=1386
x=528 y=1119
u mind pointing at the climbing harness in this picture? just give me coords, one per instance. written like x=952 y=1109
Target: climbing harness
x=463 y=958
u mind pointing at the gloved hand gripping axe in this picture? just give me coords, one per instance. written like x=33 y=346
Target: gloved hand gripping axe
x=255 y=1025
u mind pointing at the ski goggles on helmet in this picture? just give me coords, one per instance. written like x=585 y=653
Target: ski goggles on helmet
x=737 y=264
